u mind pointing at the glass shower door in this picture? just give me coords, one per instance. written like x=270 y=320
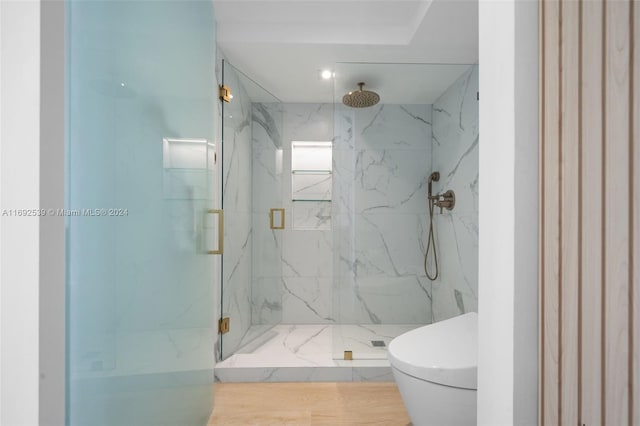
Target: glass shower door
x=254 y=219
x=141 y=182
x=383 y=157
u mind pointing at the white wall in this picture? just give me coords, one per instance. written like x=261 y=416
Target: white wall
x=19 y=189
x=507 y=365
x=525 y=304
x=52 y=230
x=32 y=249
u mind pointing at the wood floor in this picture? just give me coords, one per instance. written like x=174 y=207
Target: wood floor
x=300 y=404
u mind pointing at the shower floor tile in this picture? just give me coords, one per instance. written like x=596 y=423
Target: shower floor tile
x=301 y=353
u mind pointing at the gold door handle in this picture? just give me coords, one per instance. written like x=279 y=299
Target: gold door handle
x=272 y=214
x=220 y=214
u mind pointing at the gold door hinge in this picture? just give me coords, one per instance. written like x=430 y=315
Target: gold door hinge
x=225 y=93
x=223 y=325
x=348 y=355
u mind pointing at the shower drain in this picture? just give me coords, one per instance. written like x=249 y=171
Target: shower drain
x=378 y=343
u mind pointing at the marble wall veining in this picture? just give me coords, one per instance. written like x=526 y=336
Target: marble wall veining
x=267 y=176
x=291 y=268
x=455 y=156
x=307 y=262
x=381 y=165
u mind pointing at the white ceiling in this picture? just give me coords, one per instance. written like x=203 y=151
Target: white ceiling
x=284 y=44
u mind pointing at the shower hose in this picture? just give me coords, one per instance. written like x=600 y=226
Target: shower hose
x=431 y=245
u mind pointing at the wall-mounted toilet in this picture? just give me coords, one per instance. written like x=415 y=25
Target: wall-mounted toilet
x=435 y=367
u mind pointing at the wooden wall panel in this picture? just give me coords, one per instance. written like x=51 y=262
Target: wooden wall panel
x=550 y=379
x=591 y=209
x=590 y=195
x=616 y=323
x=569 y=210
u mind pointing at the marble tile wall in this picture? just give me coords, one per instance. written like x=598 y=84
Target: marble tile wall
x=455 y=155
x=267 y=175
x=381 y=165
x=307 y=264
x=291 y=269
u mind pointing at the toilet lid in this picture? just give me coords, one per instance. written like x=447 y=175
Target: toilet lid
x=445 y=352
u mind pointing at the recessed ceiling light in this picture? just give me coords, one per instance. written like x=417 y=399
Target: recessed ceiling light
x=326 y=74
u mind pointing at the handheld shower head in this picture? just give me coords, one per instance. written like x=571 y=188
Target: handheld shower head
x=435 y=176
x=431 y=240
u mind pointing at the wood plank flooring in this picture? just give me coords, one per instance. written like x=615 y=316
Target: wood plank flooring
x=300 y=404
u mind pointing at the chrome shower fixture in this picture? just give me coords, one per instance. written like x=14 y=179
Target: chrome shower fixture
x=361 y=98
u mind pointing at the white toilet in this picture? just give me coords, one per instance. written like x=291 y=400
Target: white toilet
x=435 y=367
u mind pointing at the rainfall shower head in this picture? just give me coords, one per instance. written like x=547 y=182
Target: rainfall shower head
x=360 y=98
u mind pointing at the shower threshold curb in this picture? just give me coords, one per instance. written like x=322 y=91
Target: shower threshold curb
x=337 y=373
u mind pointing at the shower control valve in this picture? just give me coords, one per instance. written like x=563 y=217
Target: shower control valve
x=446 y=200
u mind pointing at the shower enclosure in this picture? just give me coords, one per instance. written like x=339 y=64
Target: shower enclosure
x=348 y=188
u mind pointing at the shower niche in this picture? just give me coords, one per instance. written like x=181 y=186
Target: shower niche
x=311 y=184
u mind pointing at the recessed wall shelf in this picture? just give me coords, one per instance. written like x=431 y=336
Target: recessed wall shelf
x=311 y=184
